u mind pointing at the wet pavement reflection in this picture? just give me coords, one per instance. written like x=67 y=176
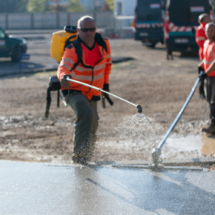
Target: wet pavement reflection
x=36 y=188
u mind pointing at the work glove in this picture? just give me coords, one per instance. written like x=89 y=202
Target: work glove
x=64 y=83
x=106 y=87
x=202 y=76
x=200 y=69
x=105 y=95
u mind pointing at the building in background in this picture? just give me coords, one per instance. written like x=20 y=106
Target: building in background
x=89 y=4
x=124 y=13
x=124 y=7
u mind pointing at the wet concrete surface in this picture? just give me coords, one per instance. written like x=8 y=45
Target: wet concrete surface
x=208 y=147
x=38 y=188
x=193 y=146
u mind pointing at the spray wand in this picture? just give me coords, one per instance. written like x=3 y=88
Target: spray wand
x=139 y=108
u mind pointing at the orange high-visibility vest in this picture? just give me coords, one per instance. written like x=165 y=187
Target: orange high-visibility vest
x=209 y=55
x=200 y=39
x=96 y=76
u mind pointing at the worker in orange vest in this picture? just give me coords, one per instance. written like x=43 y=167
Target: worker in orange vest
x=209 y=74
x=200 y=39
x=93 y=69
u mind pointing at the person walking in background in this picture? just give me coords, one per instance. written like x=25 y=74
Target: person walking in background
x=209 y=74
x=94 y=69
x=200 y=39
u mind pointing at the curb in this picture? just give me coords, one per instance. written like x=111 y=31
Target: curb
x=28 y=72
x=114 y=60
x=179 y=163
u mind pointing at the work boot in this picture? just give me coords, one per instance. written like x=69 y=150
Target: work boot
x=202 y=95
x=210 y=129
x=79 y=160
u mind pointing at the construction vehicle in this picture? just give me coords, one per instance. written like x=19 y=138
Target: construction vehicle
x=11 y=46
x=181 y=22
x=148 y=22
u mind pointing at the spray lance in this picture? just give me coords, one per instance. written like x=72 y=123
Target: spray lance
x=139 y=108
x=157 y=151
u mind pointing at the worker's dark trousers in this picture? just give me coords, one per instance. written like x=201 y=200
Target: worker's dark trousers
x=210 y=95
x=85 y=126
x=212 y=113
x=201 y=82
x=201 y=87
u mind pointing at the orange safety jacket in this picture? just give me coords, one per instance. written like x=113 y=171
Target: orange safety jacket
x=200 y=39
x=209 y=55
x=96 y=76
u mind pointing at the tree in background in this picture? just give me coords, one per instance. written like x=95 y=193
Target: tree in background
x=36 y=5
x=75 y=6
x=22 y=4
x=213 y=4
x=105 y=7
x=110 y=3
x=13 y=6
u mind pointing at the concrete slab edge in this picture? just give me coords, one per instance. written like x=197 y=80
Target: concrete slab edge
x=159 y=168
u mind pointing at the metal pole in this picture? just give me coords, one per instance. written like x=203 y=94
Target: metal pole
x=96 y=88
x=94 y=11
x=157 y=151
x=6 y=14
x=57 y=14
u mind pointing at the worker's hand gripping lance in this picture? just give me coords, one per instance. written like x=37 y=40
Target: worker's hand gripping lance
x=157 y=151
x=106 y=93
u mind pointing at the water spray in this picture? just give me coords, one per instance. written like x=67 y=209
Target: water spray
x=139 y=108
x=156 y=151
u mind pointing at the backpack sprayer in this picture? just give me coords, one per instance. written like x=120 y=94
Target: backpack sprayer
x=60 y=40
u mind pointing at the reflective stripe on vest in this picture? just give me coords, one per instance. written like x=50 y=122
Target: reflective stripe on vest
x=200 y=38
x=86 y=77
x=208 y=54
x=67 y=63
x=66 y=66
x=83 y=69
x=207 y=62
x=67 y=60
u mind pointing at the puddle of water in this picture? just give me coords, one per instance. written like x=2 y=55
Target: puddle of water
x=188 y=143
x=182 y=147
x=189 y=146
x=208 y=147
x=140 y=133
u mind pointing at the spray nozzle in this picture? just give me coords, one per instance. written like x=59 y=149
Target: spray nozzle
x=139 y=108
